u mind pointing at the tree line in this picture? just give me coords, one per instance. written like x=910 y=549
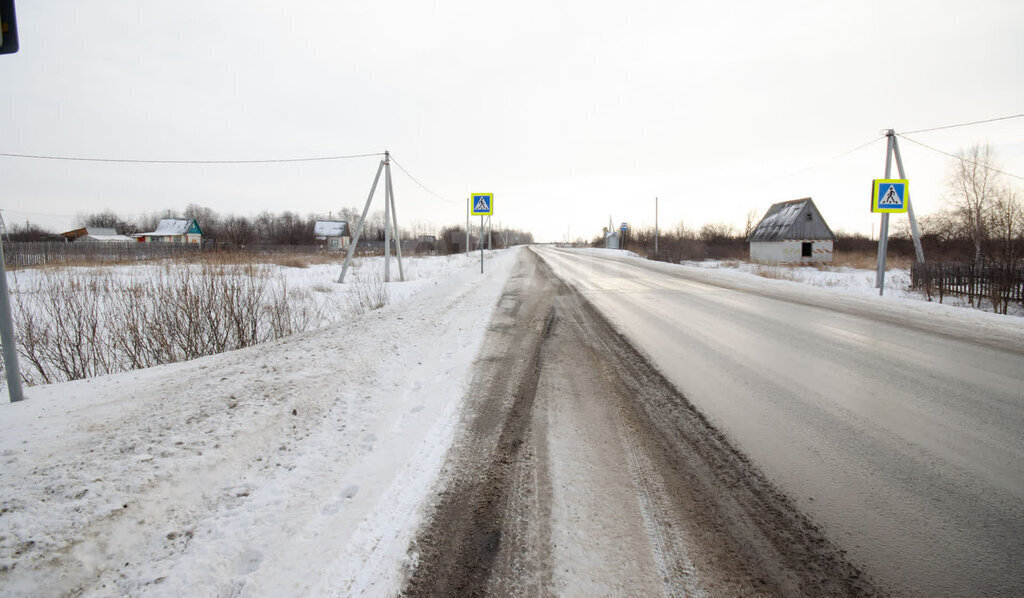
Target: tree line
x=265 y=228
x=983 y=216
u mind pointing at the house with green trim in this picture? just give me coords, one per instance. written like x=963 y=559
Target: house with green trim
x=173 y=230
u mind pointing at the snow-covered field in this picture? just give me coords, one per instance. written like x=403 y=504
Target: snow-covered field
x=80 y=322
x=295 y=467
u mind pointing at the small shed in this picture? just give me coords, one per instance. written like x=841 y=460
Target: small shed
x=331 y=235
x=173 y=230
x=792 y=231
x=92 y=234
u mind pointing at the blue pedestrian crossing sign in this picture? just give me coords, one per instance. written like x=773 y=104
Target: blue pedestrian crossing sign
x=483 y=204
x=890 y=196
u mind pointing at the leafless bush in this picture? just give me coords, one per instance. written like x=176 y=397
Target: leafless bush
x=368 y=294
x=75 y=324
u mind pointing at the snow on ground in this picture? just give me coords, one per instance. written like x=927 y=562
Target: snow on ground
x=838 y=279
x=295 y=467
x=849 y=281
x=55 y=296
x=844 y=288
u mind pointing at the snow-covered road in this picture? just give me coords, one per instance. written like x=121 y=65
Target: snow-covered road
x=895 y=425
x=291 y=468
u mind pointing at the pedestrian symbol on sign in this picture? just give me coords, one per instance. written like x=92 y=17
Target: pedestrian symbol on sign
x=891 y=198
x=483 y=204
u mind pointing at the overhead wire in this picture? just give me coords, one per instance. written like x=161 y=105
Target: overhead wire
x=823 y=163
x=143 y=161
x=969 y=161
x=859 y=147
x=253 y=161
x=422 y=186
x=976 y=122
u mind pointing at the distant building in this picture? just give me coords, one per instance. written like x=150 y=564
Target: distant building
x=92 y=234
x=332 y=235
x=173 y=230
x=423 y=244
x=792 y=231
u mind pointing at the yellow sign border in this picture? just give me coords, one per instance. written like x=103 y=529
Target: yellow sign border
x=472 y=202
x=876 y=185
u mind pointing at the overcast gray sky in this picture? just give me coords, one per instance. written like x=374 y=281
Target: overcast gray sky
x=569 y=112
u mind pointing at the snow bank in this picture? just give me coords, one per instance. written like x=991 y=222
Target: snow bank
x=295 y=467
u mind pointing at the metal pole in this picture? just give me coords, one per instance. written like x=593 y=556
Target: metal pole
x=481 y=244
x=387 y=224
x=655 y=225
x=394 y=220
x=883 y=232
x=468 y=202
x=914 y=232
x=359 y=227
x=10 y=350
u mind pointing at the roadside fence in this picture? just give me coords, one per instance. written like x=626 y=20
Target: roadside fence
x=22 y=254
x=998 y=282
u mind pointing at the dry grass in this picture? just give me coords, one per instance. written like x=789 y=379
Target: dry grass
x=868 y=260
x=215 y=258
x=776 y=273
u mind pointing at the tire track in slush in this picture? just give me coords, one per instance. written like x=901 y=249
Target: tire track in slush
x=559 y=393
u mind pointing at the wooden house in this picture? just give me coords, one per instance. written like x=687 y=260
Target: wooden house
x=173 y=230
x=331 y=235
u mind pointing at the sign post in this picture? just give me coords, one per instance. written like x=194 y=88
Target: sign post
x=483 y=205
x=390 y=219
x=892 y=196
x=7 y=337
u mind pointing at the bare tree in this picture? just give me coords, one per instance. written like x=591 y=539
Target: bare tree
x=974 y=186
x=1006 y=222
x=30 y=232
x=105 y=219
x=208 y=219
x=238 y=231
x=293 y=229
x=751 y=223
x=715 y=232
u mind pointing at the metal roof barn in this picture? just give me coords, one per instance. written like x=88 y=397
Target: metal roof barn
x=792 y=231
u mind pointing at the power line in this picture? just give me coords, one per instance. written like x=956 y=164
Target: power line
x=140 y=161
x=977 y=122
x=823 y=163
x=859 y=147
x=961 y=158
x=422 y=186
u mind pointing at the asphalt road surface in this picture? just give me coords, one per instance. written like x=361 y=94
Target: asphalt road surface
x=579 y=470
x=900 y=435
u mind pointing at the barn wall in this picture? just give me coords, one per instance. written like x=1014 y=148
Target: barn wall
x=809 y=225
x=789 y=251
